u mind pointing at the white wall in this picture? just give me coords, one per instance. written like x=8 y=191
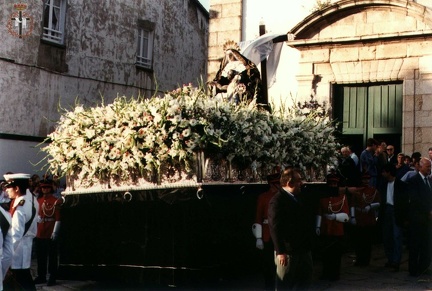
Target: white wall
x=279 y=16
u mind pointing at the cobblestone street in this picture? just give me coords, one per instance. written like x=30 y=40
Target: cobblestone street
x=373 y=277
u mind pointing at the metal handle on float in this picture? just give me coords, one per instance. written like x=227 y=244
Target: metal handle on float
x=62 y=199
x=200 y=193
x=127 y=196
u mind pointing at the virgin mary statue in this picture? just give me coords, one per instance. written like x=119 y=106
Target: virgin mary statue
x=238 y=78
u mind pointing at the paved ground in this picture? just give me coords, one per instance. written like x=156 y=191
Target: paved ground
x=373 y=277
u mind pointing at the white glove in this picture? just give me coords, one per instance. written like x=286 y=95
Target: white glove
x=318 y=225
x=259 y=244
x=342 y=217
x=257 y=230
x=352 y=212
x=366 y=209
x=56 y=230
x=54 y=236
x=375 y=205
x=331 y=216
x=353 y=221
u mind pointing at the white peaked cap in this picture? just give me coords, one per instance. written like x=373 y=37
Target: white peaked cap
x=16 y=176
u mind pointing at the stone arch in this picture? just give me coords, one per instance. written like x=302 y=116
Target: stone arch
x=320 y=19
x=338 y=44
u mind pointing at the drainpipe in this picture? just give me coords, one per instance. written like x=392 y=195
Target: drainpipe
x=414 y=109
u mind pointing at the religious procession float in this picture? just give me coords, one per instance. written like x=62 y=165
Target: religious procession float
x=164 y=189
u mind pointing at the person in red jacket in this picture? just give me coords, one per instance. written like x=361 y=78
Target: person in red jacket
x=261 y=231
x=331 y=216
x=47 y=234
x=363 y=211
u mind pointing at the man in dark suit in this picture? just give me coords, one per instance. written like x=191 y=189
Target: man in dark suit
x=391 y=157
x=393 y=215
x=292 y=233
x=291 y=217
x=348 y=170
x=420 y=219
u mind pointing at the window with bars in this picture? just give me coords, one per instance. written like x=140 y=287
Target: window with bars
x=145 y=44
x=54 y=16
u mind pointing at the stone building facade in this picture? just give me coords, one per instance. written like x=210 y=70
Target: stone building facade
x=226 y=24
x=371 y=61
x=69 y=51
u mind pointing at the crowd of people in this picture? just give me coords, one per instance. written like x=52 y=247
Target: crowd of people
x=29 y=212
x=379 y=196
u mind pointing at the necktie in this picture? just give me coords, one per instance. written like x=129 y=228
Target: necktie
x=427 y=182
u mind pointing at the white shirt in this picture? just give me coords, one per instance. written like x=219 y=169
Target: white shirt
x=390 y=193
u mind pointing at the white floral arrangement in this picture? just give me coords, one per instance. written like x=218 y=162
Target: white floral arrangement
x=159 y=140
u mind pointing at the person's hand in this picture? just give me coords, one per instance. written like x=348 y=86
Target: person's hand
x=54 y=236
x=318 y=231
x=9 y=276
x=259 y=244
x=366 y=209
x=330 y=216
x=282 y=259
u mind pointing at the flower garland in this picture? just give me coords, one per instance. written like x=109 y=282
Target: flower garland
x=142 y=137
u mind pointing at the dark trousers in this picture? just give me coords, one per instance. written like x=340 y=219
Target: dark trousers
x=363 y=240
x=46 y=253
x=392 y=236
x=268 y=266
x=331 y=256
x=300 y=273
x=22 y=280
x=419 y=248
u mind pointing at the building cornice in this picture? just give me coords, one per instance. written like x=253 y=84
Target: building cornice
x=425 y=34
x=306 y=29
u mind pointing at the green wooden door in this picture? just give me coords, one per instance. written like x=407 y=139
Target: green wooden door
x=366 y=111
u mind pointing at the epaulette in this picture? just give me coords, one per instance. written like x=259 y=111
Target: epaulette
x=21 y=203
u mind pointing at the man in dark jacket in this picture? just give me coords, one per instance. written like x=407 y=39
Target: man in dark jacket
x=348 y=171
x=291 y=217
x=292 y=234
x=393 y=215
x=420 y=219
x=391 y=157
